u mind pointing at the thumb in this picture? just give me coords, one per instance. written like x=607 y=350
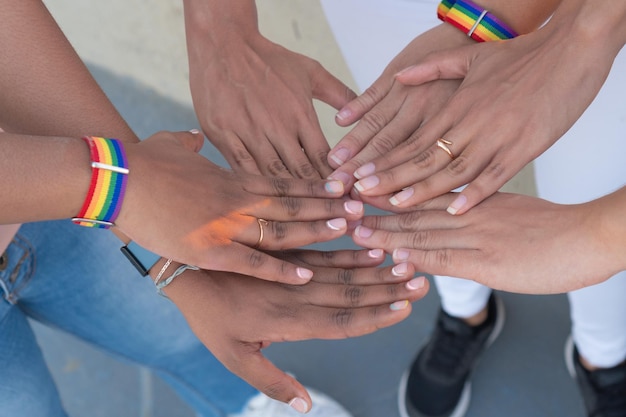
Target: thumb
x=446 y=65
x=191 y=140
x=262 y=374
x=331 y=90
x=355 y=109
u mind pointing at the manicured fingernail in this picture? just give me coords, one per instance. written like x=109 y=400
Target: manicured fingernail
x=402 y=196
x=340 y=156
x=404 y=70
x=457 y=204
x=337 y=224
x=376 y=253
x=304 y=273
x=367 y=183
x=365 y=171
x=299 y=405
x=363 y=232
x=340 y=176
x=194 y=131
x=400 y=269
x=416 y=283
x=353 y=207
x=343 y=114
x=334 y=187
x=400 y=255
x=399 y=305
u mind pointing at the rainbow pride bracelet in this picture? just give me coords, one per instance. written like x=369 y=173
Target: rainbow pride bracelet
x=108 y=183
x=473 y=20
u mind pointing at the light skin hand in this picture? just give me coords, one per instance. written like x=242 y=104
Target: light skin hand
x=389 y=113
x=509 y=242
x=494 y=124
x=254 y=98
x=237 y=316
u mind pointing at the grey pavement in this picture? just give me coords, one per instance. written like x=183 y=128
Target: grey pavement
x=522 y=374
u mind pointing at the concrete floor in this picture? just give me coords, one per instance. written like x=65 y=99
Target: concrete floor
x=140 y=61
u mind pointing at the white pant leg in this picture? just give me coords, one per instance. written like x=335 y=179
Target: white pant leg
x=588 y=162
x=370 y=33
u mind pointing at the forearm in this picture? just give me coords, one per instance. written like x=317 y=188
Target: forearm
x=598 y=24
x=609 y=225
x=217 y=21
x=42 y=178
x=46 y=88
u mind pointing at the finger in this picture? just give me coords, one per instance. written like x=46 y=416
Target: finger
x=356 y=108
x=237 y=154
x=412 y=221
x=362 y=276
x=451 y=64
x=273 y=235
x=357 y=296
x=419 y=239
x=315 y=145
x=242 y=259
x=404 y=175
x=266 y=151
x=490 y=180
x=262 y=374
x=329 y=89
x=283 y=187
x=444 y=262
x=368 y=143
x=336 y=259
x=284 y=209
x=340 y=323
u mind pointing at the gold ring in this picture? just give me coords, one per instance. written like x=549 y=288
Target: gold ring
x=261 y=222
x=443 y=144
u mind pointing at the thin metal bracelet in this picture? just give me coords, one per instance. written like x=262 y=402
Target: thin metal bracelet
x=162 y=271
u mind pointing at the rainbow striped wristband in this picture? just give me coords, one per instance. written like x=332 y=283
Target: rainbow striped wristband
x=473 y=20
x=108 y=183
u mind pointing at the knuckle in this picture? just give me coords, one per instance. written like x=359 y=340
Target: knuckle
x=345 y=276
x=292 y=205
x=276 y=167
x=409 y=222
x=306 y=170
x=419 y=240
x=256 y=259
x=280 y=186
x=374 y=121
x=496 y=170
x=443 y=257
x=383 y=143
x=392 y=291
x=342 y=319
x=458 y=166
x=425 y=160
x=353 y=295
x=278 y=230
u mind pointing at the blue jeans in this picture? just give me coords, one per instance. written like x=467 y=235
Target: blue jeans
x=76 y=279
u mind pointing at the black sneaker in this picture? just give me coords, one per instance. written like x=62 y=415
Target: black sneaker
x=437 y=383
x=603 y=391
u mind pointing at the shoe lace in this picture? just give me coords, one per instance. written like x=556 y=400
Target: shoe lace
x=451 y=348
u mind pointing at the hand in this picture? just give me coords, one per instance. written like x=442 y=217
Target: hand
x=180 y=205
x=237 y=316
x=508 y=242
x=390 y=113
x=254 y=100
x=517 y=98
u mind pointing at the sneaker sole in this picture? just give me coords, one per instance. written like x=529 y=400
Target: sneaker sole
x=464 y=400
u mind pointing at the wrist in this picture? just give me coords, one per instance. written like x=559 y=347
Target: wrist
x=596 y=25
x=218 y=21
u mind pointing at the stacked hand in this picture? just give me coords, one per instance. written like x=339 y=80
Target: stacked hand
x=236 y=316
x=181 y=206
x=491 y=125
